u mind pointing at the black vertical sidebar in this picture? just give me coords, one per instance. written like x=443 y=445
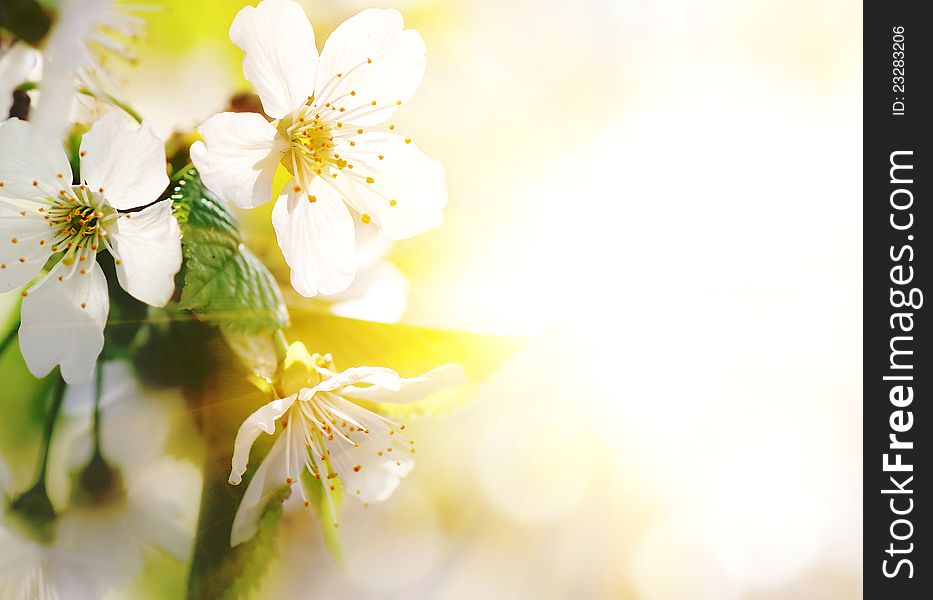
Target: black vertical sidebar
x=897 y=371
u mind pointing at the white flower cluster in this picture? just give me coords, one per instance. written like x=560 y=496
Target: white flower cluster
x=70 y=222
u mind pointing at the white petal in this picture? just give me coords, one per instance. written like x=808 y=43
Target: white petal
x=32 y=166
x=101 y=549
x=375 y=58
x=372 y=247
x=147 y=245
x=373 y=375
x=64 y=52
x=137 y=423
x=15 y=66
x=127 y=161
x=377 y=479
x=63 y=323
x=280 y=55
x=163 y=515
x=316 y=239
x=379 y=293
x=410 y=389
x=238 y=157
x=21 y=260
x=269 y=478
x=404 y=175
x=370 y=472
x=262 y=420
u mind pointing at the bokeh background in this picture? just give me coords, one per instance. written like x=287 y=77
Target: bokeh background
x=664 y=197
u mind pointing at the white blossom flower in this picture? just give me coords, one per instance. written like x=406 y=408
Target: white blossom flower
x=114 y=26
x=158 y=504
x=100 y=546
x=330 y=431
x=44 y=216
x=16 y=63
x=84 y=35
x=330 y=132
x=67 y=566
x=30 y=569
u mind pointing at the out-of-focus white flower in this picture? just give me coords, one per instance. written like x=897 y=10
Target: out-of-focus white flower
x=328 y=432
x=379 y=293
x=158 y=504
x=84 y=34
x=99 y=542
x=380 y=290
x=115 y=25
x=42 y=215
x=79 y=567
x=329 y=132
x=63 y=569
x=16 y=62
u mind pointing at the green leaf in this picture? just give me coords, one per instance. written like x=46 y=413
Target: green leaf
x=224 y=283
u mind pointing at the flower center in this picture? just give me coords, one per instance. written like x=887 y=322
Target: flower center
x=81 y=221
x=312 y=146
x=82 y=218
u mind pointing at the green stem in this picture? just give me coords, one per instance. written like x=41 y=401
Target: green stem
x=100 y=483
x=111 y=100
x=98 y=391
x=33 y=508
x=281 y=346
x=9 y=337
x=281 y=351
x=58 y=394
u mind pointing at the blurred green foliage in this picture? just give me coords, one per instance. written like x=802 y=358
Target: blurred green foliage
x=25 y=19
